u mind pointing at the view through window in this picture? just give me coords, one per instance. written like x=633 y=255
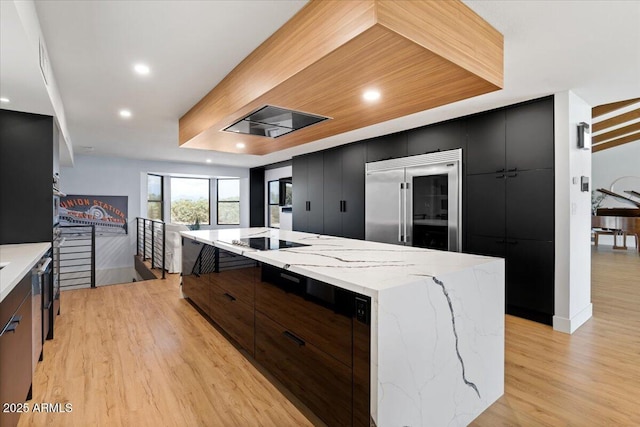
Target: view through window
x=190 y=201
x=228 y=201
x=154 y=197
x=274 y=204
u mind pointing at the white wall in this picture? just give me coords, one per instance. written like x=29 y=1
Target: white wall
x=127 y=177
x=572 y=216
x=286 y=220
x=608 y=166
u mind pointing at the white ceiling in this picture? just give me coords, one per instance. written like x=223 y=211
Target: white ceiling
x=590 y=47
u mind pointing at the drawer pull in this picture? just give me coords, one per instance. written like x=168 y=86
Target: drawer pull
x=290 y=278
x=294 y=338
x=231 y=297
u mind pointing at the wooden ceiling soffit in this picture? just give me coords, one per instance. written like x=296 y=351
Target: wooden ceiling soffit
x=607 y=108
x=418 y=54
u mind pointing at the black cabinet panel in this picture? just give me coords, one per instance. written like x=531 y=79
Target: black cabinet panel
x=530 y=135
x=439 y=137
x=26 y=171
x=353 y=161
x=256 y=197
x=333 y=192
x=315 y=192
x=198 y=262
x=530 y=278
x=488 y=246
x=486 y=142
x=299 y=176
x=485 y=205
x=387 y=147
x=530 y=204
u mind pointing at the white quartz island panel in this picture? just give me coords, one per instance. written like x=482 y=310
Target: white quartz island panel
x=17 y=260
x=437 y=321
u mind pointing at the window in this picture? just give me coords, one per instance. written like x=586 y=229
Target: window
x=190 y=201
x=228 y=201
x=274 y=204
x=154 y=197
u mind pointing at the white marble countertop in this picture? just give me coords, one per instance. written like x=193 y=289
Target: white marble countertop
x=18 y=260
x=361 y=266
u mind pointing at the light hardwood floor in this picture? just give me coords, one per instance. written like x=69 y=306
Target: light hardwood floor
x=138 y=355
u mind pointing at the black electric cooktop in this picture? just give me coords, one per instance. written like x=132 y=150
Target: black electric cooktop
x=266 y=243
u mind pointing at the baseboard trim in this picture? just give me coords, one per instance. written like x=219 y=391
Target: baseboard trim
x=569 y=326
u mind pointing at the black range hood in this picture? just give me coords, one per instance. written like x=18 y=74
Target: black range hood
x=273 y=122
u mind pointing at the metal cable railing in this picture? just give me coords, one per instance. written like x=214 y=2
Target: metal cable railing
x=151 y=242
x=77 y=256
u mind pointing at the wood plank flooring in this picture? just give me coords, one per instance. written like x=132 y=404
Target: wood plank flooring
x=138 y=355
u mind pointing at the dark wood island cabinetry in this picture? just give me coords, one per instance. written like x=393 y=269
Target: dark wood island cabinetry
x=303 y=331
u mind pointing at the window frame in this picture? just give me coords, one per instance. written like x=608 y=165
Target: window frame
x=208 y=195
x=161 y=201
x=218 y=201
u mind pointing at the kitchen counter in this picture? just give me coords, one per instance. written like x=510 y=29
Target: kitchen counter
x=18 y=260
x=437 y=319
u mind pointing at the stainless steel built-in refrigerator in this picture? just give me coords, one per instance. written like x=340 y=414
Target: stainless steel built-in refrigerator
x=415 y=201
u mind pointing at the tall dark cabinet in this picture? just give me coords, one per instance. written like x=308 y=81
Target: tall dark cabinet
x=308 y=193
x=510 y=201
x=344 y=191
x=27 y=144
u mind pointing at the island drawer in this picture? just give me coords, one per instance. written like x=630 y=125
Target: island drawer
x=237 y=275
x=317 y=379
x=234 y=316
x=319 y=313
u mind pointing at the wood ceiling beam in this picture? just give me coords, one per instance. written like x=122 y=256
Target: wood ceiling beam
x=418 y=54
x=617 y=120
x=616 y=133
x=607 y=108
x=616 y=142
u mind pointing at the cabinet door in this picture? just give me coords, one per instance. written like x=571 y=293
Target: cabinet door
x=353 y=156
x=485 y=205
x=440 y=137
x=317 y=379
x=387 y=147
x=199 y=261
x=530 y=279
x=300 y=183
x=15 y=361
x=333 y=181
x=486 y=142
x=315 y=192
x=530 y=135
x=488 y=246
x=530 y=205
x=234 y=316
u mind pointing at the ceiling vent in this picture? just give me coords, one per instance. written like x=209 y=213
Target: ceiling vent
x=273 y=122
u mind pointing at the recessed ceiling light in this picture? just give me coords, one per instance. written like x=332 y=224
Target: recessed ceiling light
x=3 y=99
x=371 y=95
x=240 y=145
x=142 y=69
x=125 y=113
x=208 y=160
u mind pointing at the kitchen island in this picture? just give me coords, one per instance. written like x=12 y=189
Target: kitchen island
x=435 y=320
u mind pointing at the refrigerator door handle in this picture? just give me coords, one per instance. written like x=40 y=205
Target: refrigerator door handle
x=400 y=216
x=407 y=208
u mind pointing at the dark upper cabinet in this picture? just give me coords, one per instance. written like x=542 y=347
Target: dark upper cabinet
x=308 y=193
x=26 y=172
x=386 y=147
x=486 y=205
x=486 y=142
x=530 y=204
x=530 y=135
x=439 y=137
x=344 y=191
